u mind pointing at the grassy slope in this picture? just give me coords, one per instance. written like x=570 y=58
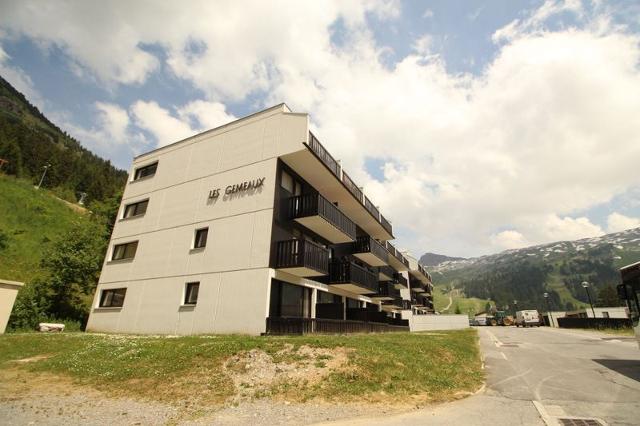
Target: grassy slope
x=467 y=305
x=382 y=367
x=31 y=219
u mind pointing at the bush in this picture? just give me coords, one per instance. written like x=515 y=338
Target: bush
x=4 y=240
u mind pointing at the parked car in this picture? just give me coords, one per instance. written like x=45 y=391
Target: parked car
x=528 y=318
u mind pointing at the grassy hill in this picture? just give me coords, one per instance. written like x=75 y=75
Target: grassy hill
x=29 y=220
x=443 y=294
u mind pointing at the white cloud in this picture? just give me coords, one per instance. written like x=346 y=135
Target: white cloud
x=535 y=22
x=617 y=222
x=509 y=239
x=19 y=79
x=428 y=13
x=548 y=129
x=208 y=115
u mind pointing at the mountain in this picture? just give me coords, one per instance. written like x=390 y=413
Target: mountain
x=434 y=259
x=28 y=140
x=557 y=268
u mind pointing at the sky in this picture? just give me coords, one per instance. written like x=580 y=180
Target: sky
x=476 y=126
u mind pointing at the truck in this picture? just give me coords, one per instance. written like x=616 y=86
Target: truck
x=528 y=318
x=500 y=318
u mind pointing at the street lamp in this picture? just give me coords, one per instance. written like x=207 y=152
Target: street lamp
x=515 y=306
x=546 y=297
x=586 y=287
x=46 y=167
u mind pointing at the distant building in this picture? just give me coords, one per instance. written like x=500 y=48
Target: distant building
x=252 y=227
x=606 y=312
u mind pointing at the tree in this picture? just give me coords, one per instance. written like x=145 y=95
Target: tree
x=73 y=266
x=607 y=296
x=487 y=307
x=457 y=311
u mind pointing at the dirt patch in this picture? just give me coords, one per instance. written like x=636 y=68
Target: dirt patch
x=255 y=373
x=32 y=359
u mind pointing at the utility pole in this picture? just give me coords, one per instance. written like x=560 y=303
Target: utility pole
x=586 y=287
x=46 y=167
x=546 y=297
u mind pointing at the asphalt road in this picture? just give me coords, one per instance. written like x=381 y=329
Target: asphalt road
x=537 y=376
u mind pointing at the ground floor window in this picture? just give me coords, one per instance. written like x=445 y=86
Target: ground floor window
x=353 y=304
x=288 y=300
x=112 y=298
x=191 y=293
x=326 y=297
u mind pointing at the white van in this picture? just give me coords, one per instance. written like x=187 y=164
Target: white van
x=528 y=318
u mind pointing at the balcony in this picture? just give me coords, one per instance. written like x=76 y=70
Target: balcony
x=322 y=217
x=417 y=286
x=400 y=281
x=354 y=278
x=302 y=258
x=386 y=292
x=396 y=259
x=322 y=171
x=370 y=251
x=386 y=273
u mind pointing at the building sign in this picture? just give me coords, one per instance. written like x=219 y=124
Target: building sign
x=238 y=187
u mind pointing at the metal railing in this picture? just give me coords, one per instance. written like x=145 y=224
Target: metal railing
x=327 y=159
x=372 y=209
x=396 y=253
x=387 y=289
x=324 y=155
x=302 y=253
x=277 y=326
x=366 y=244
x=388 y=271
x=351 y=186
x=595 y=323
x=400 y=279
x=345 y=272
x=315 y=204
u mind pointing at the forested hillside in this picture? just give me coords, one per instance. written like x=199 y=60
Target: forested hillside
x=524 y=275
x=29 y=141
x=55 y=246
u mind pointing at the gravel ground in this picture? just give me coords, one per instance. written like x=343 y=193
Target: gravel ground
x=30 y=399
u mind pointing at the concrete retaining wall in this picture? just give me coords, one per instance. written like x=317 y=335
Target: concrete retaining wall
x=438 y=322
x=8 y=293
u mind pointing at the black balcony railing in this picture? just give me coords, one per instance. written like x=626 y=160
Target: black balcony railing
x=324 y=155
x=276 y=325
x=372 y=209
x=400 y=279
x=386 y=224
x=387 y=289
x=351 y=186
x=316 y=205
x=302 y=253
x=366 y=244
x=396 y=253
x=387 y=271
x=347 y=272
x=320 y=151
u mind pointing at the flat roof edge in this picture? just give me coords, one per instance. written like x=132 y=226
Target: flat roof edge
x=282 y=105
x=12 y=283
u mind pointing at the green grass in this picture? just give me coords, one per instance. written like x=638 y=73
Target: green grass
x=30 y=219
x=467 y=305
x=381 y=367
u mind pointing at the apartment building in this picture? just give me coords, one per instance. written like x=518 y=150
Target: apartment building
x=253 y=227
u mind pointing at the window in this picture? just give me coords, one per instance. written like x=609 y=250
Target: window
x=191 y=293
x=112 y=298
x=288 y=300
x=124 y=251
x=324 y=297
x=146 y=171
x=286 y=181
x=135 y=209
x=290 y=184
x=201 y=238
x=605 y=314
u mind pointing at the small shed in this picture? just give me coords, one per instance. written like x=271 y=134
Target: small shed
x=8 y=293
